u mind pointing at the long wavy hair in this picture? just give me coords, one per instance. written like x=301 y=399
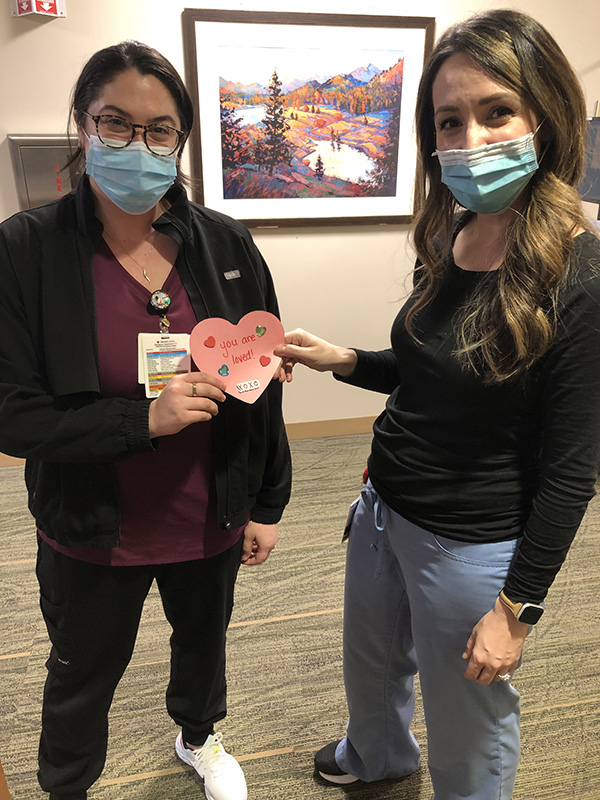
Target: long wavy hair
x=510 y=322
x=105 y=65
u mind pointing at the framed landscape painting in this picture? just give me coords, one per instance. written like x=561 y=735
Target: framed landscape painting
x=304 y=119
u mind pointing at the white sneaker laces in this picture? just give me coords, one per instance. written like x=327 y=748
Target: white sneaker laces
x=212 y=754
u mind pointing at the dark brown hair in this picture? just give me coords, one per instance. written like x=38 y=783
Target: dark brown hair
x=106 y=64
x=510 y=322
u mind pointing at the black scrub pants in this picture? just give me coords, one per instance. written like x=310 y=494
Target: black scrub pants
x=92 y=614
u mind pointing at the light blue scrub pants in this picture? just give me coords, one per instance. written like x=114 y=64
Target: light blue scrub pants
x=411 y=602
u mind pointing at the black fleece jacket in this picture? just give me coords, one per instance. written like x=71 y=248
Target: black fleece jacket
x=51 y=407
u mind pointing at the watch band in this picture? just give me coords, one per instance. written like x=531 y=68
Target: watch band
x=528 y=613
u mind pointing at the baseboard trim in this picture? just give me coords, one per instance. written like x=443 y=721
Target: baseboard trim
x=9 y=461
x=320 y=429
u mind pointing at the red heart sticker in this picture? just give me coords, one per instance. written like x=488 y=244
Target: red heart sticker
x=240 y=355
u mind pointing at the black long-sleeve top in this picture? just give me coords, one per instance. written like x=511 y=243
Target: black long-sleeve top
x=486 y=463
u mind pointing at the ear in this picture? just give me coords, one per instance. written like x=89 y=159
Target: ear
x=82 y=137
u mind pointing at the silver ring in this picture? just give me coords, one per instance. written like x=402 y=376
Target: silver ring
x=504 y=678
x=194 y=390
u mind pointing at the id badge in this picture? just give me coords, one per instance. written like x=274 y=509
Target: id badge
x=161 y=356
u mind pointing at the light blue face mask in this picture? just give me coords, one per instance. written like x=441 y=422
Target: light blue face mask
x=132 y=177
x=489 y=178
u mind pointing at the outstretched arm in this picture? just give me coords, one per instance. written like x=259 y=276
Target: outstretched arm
x=305 y=348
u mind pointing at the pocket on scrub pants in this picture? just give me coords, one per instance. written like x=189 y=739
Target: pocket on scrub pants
x=476 y=553
x=61 y=657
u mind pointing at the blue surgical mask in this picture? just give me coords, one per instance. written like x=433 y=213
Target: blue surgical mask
x=132 y=177
x=489 y=178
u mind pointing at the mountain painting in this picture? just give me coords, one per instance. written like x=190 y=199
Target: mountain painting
x=309 y=124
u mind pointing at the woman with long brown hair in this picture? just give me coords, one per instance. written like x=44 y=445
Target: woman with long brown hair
x=485 y=458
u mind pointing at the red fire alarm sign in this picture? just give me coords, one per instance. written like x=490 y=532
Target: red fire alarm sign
x=48 y=8
x=21 y=7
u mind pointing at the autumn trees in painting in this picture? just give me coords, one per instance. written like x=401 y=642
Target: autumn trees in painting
x=278 y=148
x=234 y=147
x=336 y=137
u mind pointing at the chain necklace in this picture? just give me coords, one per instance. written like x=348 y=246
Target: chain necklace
x=141 y=265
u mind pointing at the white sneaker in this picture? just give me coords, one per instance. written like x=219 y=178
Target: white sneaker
x=223 y=776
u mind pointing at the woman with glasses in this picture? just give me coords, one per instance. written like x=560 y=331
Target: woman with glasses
x=128 y=484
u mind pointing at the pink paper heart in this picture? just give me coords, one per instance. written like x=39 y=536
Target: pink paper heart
x=239 y=355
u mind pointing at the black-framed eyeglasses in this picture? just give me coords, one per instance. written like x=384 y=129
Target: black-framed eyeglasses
x=118 y=132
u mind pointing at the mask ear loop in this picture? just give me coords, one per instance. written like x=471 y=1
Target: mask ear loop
x=80 y=132
x=180 y=149
x=542 y=152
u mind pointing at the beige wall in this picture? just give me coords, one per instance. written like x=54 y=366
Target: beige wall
x=343 y=283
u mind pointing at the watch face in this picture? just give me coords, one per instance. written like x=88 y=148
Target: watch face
x=530 y=614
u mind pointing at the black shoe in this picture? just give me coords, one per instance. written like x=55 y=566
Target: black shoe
x=71 y=796
x=327 y=767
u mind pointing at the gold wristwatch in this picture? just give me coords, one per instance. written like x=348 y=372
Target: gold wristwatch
x=529 y=613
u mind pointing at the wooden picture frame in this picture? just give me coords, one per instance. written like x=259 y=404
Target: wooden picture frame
x=304 y=119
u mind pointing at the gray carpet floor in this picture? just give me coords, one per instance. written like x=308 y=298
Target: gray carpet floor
x=284 y=662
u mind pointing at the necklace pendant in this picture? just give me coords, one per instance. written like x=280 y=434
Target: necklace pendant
x=150 y=238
